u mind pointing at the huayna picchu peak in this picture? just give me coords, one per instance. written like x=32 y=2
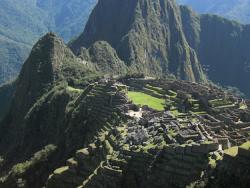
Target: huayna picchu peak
x=128 y=103
x=147 y=36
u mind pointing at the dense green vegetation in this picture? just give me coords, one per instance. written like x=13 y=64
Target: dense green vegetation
x=104 y=58
x=25 y=169
x=39 y=156
x=22 y=23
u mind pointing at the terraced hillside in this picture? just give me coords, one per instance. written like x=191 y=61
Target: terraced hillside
x=108 y=137
x=76 y=127
x=154 y=148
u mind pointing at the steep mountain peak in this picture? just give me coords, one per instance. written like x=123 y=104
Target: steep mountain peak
x=50 y=66
x=45 y=61
x=42 y=68
x=147 y=36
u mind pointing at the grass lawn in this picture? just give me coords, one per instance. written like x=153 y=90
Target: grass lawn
x=233 y=151
x=243 y=107
x=144 y=99
x=175 y=113
x=71 y=89
x=246 y=145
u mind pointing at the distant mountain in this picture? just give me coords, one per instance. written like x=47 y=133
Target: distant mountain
x=22 y=23
x=232 y=9
x=222 y=47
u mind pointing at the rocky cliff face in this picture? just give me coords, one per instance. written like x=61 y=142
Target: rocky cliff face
x=158 y=37
x=147 y=36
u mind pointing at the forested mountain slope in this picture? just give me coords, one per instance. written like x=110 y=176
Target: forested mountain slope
x=22 y=23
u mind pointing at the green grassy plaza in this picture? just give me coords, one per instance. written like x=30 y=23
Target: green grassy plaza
x=140 y=98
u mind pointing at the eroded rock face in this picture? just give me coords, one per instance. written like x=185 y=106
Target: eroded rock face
x=147 y=36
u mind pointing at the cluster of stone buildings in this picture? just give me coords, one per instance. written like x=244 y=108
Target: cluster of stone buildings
x=151 y=148
x=222 y=120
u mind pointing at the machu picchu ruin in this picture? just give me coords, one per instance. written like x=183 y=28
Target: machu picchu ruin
x=186 y=141
x=130 y=103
